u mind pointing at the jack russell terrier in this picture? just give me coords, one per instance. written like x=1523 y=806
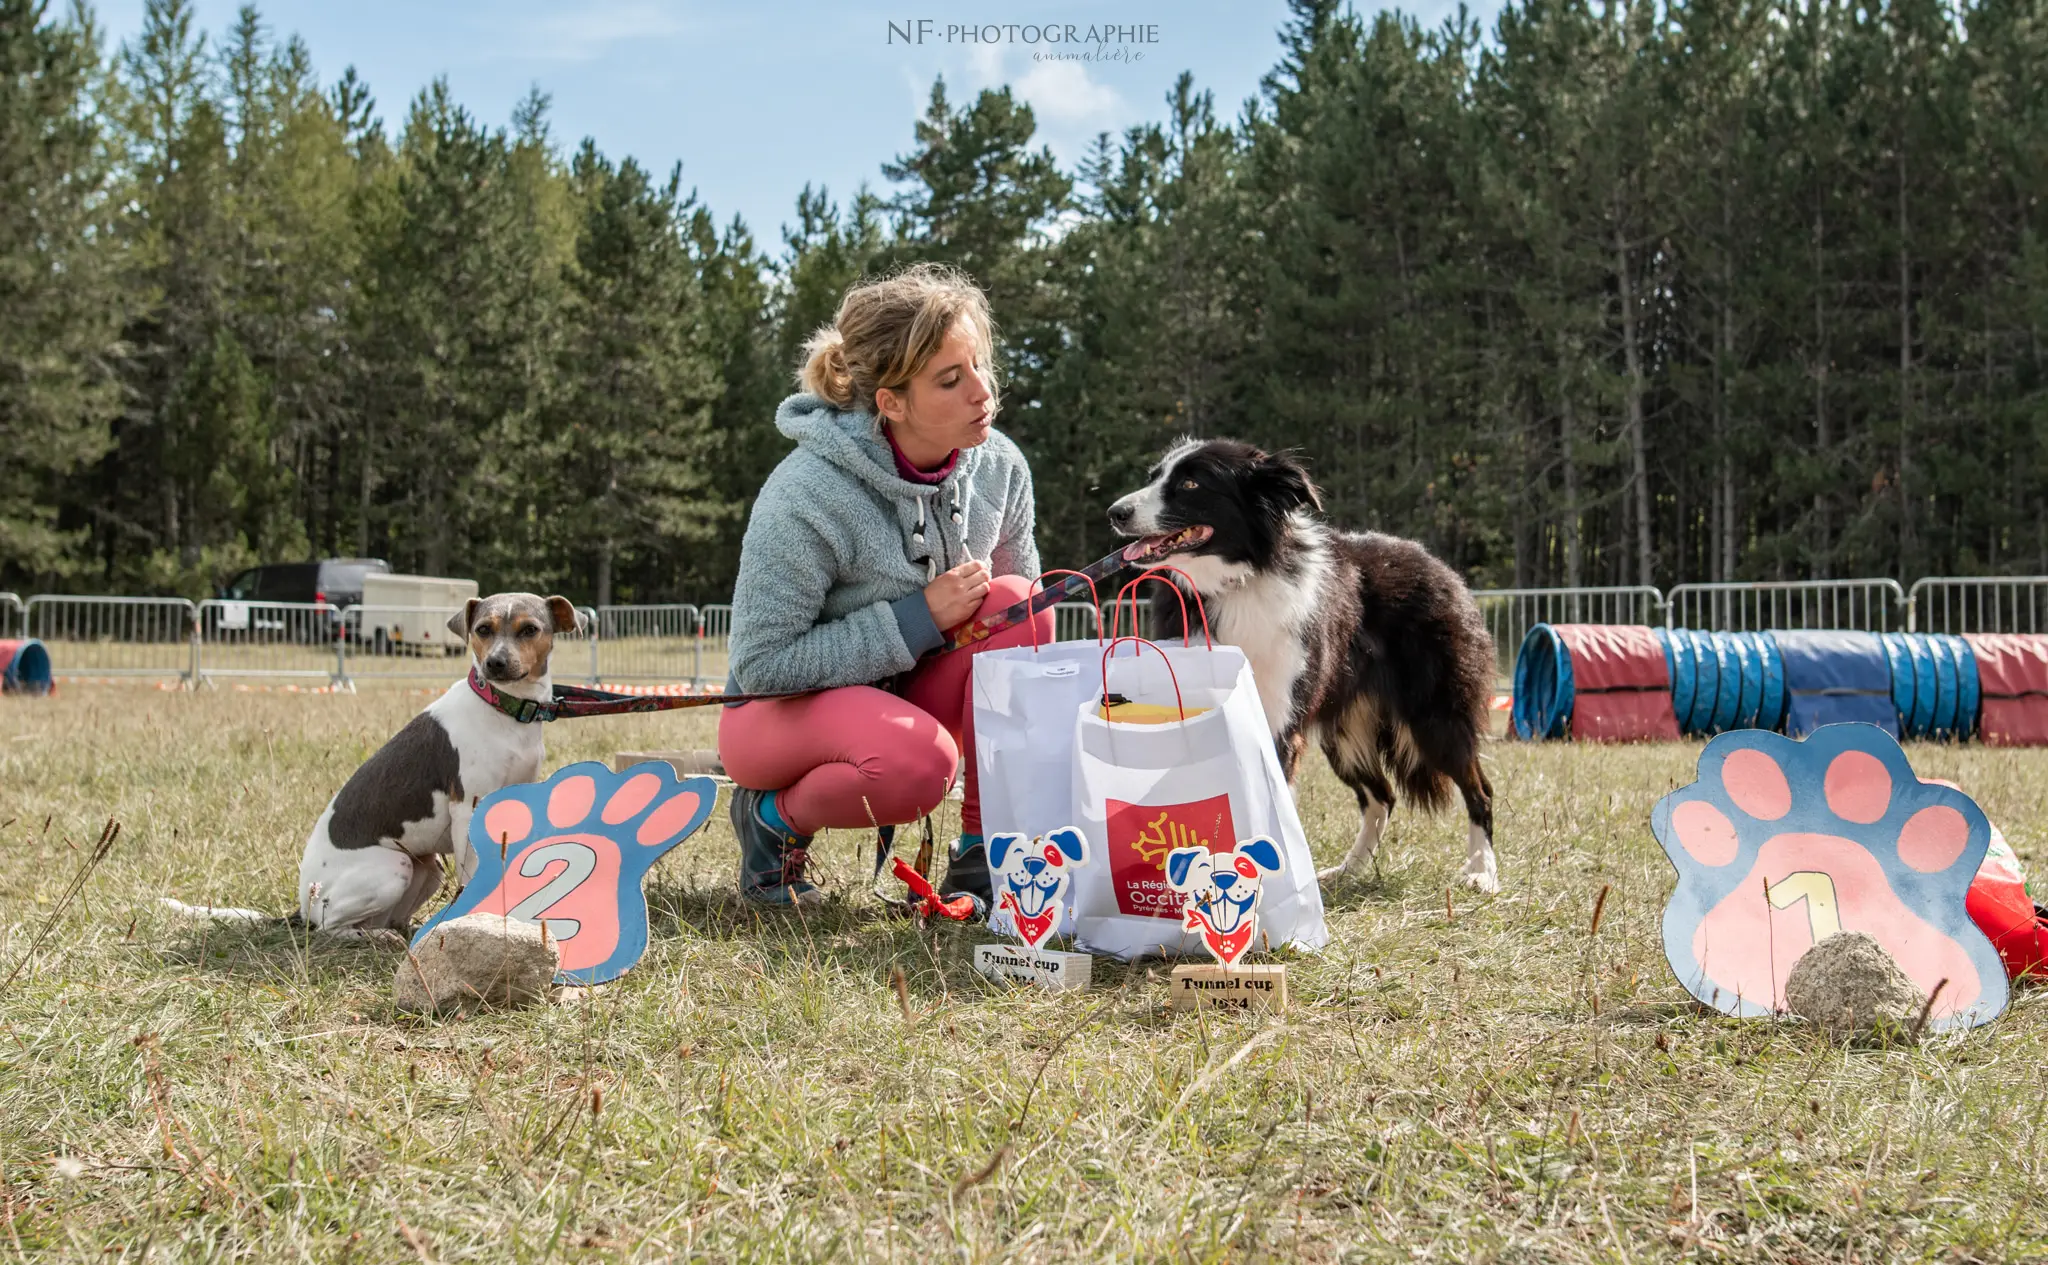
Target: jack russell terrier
x=372 y=859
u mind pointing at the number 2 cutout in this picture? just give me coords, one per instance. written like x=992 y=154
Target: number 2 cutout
x=579 y=863
x=571 y=852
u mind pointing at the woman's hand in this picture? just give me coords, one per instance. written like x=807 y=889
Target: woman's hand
x=957 y=594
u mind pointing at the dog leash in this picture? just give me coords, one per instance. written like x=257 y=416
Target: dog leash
x=1070 y=584
x=571 y=701
x=580 y=700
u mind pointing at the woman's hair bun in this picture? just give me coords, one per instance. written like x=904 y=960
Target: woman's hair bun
x=825 y=372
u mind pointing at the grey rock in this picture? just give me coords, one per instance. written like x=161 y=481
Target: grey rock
x=475 y=961
x=1849 y=986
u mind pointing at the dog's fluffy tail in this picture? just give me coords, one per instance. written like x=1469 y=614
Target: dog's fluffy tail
x=223 y=912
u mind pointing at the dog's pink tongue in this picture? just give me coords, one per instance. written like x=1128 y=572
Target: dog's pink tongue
x=1148 y=547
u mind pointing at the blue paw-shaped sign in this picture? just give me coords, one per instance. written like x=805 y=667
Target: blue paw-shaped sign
x=571 y=852
x=1781 y=843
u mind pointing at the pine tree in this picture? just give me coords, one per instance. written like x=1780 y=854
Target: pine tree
x=637 y=387
x=60 y=307
x=976 y=195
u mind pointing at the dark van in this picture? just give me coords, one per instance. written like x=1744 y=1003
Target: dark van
x=336 y=581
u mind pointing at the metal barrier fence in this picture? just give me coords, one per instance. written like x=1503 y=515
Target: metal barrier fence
x=215 y=640
x=1965 y=604
x=1074 y=621
x=1511 y=613
x=116 y=636
x=1864 y=605
x=714 y=634
x=268 y=639
x=649 y=643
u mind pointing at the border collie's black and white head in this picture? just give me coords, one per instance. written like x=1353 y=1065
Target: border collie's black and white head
x=1219 y=507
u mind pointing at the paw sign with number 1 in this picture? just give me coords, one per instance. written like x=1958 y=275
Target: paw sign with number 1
x=1781 y=844
x=571 y=852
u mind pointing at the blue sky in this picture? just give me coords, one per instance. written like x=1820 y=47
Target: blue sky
x=757 y=99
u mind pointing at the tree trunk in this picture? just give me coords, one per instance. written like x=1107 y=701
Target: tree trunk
x=1632 y=357
x=1722 y=544
x=1822 y=441
x=1574 y=548
x=363 y=492
x=1906 y=543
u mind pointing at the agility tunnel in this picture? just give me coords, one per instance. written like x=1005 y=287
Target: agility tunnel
x=1593 y=682
x=2012 y=671
x=1835 y=676
x=24 y=667
x=1586 y=680
x=1722 y=681
x=1934 y=685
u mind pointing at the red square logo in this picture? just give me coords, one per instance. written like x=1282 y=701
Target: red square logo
x=1140 y=836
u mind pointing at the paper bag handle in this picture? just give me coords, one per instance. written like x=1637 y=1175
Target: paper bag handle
x=1038 y=585
x=1170 y=673
x=1152 y=573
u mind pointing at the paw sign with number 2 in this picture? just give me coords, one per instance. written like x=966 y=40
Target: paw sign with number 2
x=571 y=852
x=1781 y=844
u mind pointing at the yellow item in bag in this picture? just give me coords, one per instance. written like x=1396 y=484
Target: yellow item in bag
x=1145 y=713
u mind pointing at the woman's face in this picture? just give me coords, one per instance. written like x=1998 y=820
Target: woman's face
x=946 y=406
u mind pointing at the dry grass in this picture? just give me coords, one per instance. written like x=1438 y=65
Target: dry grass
x=1492 y=1082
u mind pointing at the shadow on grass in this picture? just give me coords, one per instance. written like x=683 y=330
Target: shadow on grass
x=272 y=951
x=855 y=933
x=1354 y=892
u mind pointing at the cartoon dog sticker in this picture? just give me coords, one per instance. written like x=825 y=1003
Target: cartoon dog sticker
x=1222 y=893
x=1033 y=876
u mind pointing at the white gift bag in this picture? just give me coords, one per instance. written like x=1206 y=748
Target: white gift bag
x=1024 y=699
x=1207 y=775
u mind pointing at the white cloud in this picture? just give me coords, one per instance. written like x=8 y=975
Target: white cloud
x=584 y=32
x=1063 y=93
x=1071 y=104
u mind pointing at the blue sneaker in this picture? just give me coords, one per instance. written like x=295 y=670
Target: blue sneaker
x=967 y=874
x=771 y=859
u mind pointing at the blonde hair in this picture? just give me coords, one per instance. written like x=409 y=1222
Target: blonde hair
x=889 y=329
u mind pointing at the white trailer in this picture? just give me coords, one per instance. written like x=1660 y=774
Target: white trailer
x=410 y=612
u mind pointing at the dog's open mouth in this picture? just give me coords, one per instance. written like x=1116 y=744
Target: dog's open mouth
x=1148 y=548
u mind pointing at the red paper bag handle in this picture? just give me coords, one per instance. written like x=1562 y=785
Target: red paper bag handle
x=1170 y=673
x=1152 y=573
x=1038 y=585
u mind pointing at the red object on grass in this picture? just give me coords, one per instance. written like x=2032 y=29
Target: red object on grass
x=2000 y=906
x=2012 y=673
x=1621 y=686
x=959 y=909
x=2003 y=909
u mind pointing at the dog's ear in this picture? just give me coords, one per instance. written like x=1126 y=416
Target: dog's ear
x=1070 y=841
x=1283 y=483
x=459 y=623
x=999 y=848
x=1180 y=864
x=1262 y=852
x=567 y=617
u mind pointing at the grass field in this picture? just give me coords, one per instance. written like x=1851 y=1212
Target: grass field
x=1490 y=1081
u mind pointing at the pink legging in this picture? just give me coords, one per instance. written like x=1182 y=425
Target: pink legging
x=826 y=753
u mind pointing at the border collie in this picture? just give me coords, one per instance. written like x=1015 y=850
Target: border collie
x=1363 y=640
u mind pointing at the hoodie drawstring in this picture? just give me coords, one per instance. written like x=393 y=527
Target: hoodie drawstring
x=931 y=558
x=931 y=561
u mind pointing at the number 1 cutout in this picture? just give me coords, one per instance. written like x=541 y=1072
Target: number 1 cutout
x=1839 y=822
x=1817 y=889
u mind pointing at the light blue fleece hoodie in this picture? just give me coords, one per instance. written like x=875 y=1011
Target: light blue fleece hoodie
x=839 y=549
